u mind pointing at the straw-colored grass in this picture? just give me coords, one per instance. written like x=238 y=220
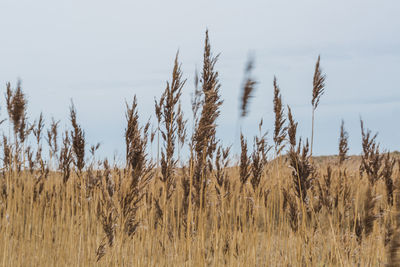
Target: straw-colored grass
x=204 y=209
x=61 y=227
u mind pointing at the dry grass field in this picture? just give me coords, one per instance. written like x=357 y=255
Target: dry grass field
x=275 y=206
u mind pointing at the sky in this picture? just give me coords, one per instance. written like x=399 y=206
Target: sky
x=101 y=53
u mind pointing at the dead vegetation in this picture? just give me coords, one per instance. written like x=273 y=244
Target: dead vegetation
x=275 y=206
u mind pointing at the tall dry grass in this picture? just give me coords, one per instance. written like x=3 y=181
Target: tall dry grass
x=283 y=208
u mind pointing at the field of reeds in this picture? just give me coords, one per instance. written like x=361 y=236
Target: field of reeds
x=194 y=204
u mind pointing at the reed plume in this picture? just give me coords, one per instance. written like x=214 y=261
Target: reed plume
x=52 y=136
x=182 y=124
x=7 y=153
x=16 y=108
x=292 y=129
x=248 y=87
x=140 y=169
x=325 y=189
x=65 y=158
x=387 y=176
x=299 y=162
x=318 y=91
x=245 y=163
x=343 y=144
x=157 y=109
x=107 y=214
x=259 y=158
x=371 y=158
x=204 y=139
x=221 y=164
x=302 y=170
x=280 y=129
x=196 y=99
x=38 y=132
x=169 y=110
x=78 y=141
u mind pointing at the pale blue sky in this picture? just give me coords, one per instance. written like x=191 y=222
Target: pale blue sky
x=101 y=53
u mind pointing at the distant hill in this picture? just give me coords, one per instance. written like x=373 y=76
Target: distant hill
x=353 y=162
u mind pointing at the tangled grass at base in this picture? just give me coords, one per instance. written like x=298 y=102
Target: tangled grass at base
x=276 y=206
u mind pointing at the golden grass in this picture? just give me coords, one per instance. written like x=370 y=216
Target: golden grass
x=60 y=227
x=205 y=210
